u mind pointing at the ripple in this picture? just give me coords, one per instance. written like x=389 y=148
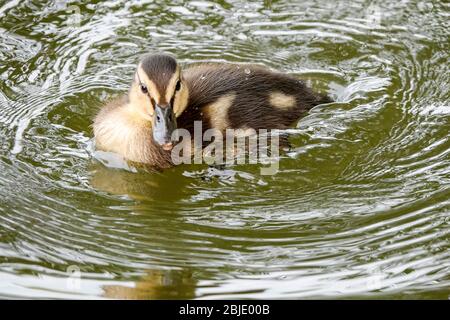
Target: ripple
x=359 y=207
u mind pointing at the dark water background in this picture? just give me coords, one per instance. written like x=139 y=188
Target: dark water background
x=360 y=206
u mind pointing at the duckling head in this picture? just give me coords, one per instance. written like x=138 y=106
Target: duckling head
x=159 y=94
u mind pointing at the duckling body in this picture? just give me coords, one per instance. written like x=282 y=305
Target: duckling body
x=118 y=130
x=244 y=96
x=221 y=96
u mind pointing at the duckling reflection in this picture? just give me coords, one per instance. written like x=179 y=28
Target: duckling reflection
x=143 y=185
x=156 y=284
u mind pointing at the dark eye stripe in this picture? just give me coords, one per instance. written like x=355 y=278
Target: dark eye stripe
x=177 y=88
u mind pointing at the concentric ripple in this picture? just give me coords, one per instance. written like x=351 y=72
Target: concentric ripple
x=359 y=208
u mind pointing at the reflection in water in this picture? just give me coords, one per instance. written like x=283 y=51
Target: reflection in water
x=156 y=284
x=138 y=186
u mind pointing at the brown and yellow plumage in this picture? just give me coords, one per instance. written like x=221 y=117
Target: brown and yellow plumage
x=222 y=96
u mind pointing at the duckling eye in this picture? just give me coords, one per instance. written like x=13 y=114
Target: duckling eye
x=178 y=86
x=144 y=88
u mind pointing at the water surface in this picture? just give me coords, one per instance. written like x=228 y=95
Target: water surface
x=360 y=206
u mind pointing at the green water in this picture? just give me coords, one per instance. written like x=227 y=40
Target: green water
x=359 y=208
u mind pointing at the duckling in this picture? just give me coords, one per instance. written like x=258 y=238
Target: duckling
x=162 y=98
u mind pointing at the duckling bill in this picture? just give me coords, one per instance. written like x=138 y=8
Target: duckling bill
x=162 y=98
